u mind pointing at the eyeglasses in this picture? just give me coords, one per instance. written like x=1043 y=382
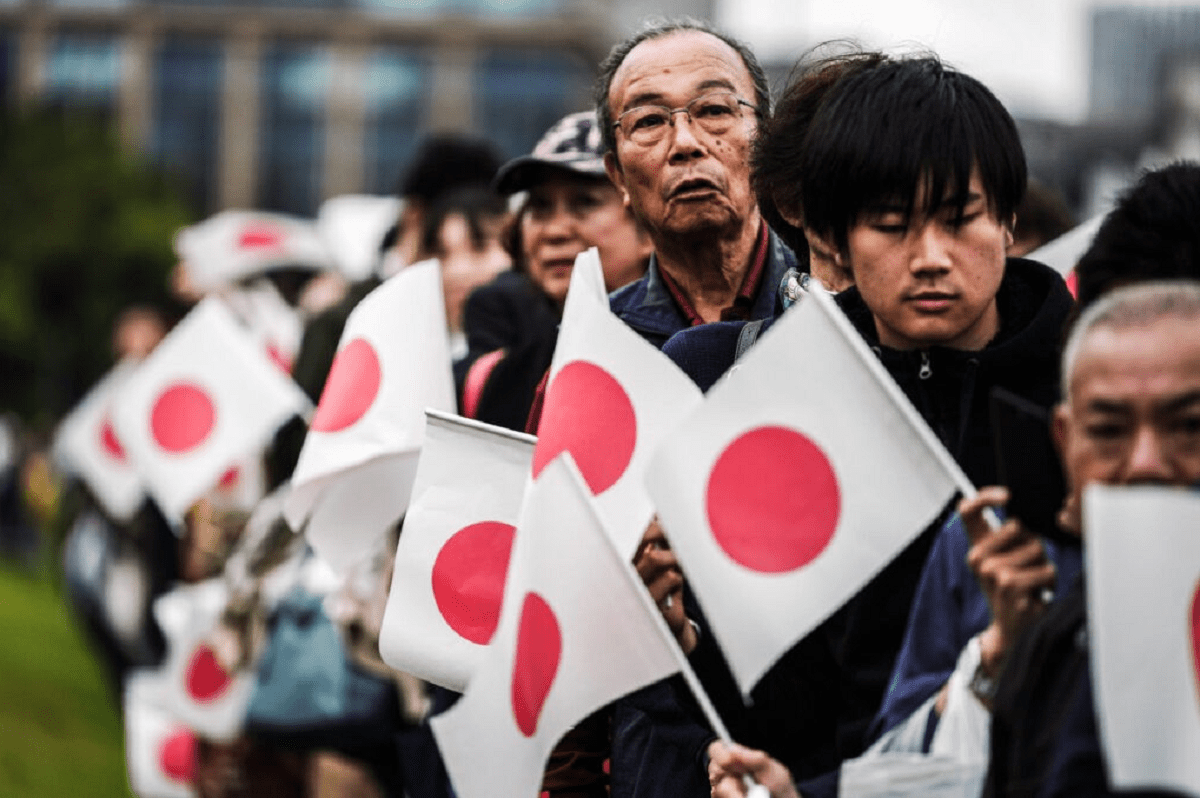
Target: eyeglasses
x=715 y=113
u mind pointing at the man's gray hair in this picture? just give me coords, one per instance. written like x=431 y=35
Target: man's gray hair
x=655 y=29
x=1131 y=306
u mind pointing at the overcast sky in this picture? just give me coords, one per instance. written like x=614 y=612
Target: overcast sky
x=1033 y=53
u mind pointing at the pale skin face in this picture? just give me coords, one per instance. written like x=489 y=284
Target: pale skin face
x=567 y=216
x=1133 y=414
x=932 y=282
x=689 y=183
x=466 y=266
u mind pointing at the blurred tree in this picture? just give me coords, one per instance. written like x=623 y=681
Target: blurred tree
x=85 y=230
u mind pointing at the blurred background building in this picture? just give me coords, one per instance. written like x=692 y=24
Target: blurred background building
x=279 y=104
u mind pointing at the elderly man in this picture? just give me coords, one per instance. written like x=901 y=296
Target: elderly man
x=1131 y=414
x=679 y=106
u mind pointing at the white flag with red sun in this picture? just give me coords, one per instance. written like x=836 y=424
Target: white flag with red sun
x=355 y=473
x=160 y=751
x=802 y=475
x=204 y=399
x=448 y=579
x=201 y=688
x=86 y=444
x=1143 y=593
x=233 y=245
x=577 y=631
x=611 y=398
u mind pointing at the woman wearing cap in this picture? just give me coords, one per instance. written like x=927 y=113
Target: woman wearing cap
x=512 y=323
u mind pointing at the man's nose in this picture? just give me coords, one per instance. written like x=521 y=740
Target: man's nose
x=1147 y=461
x=684 y=142
x=931 y=248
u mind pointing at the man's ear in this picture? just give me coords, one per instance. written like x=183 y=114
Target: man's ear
x=1060 y=423
x=612 y=167
x=822 y=246
x=1010 y=231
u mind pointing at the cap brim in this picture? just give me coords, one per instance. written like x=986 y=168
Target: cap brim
x=522 y=173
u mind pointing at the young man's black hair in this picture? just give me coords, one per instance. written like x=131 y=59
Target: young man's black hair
x=885 y=133
x=1153 y=233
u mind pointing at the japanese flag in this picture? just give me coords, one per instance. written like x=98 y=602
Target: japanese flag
x=353 y=226
x=359 y=460
x=233 y=245
x=202 y=689
x=276 y=326
x=804 y=473
x=205 y=398
x=448 y=578
x=610 y=400
x=1142 y=556
x=160 y=752
x=86 y=444
x=577 y=631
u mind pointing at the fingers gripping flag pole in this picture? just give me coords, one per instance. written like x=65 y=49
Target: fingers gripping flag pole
x=805 y=471
x=1143 y=603
x=451 y=561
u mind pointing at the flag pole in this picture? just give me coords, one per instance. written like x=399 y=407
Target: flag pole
x=910 y=414
x=753 y=789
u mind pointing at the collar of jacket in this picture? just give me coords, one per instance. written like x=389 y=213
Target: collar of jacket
x=646 y=305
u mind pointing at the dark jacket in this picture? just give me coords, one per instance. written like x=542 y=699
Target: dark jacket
x=1044 y=738
x=813 y=709
x=511 y=314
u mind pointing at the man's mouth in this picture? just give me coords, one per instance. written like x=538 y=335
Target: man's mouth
x=932 y=301
x=693 y=186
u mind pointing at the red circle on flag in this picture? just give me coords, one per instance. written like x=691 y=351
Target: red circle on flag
x=229 y=479
x=177 y=757
x=539 y=651
x=260 y=236
x=182 y=418
x=468 y=578
x=773 y=500
x=206 y=680
x=351 y=388
x=279 y=358
x=588 y=414
x=109 y=443
x=1196 y=634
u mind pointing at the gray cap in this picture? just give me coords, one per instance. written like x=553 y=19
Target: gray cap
x=573 y=145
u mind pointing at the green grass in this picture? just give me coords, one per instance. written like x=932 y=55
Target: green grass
x=60 y=729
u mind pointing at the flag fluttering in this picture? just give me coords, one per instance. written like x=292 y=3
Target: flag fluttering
x=86 y=444
x=205 y=398
x=577 y=631
x=356 y=469
x=236 y=244
x=610 y=399
x=803 y=473
x=452 y=559
x=160 y=751
x=1143 y=594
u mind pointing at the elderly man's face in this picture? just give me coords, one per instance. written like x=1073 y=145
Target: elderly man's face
x=1133 y=414
x=690 y=181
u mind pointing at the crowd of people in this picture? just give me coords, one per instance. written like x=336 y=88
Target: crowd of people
x=893 y=182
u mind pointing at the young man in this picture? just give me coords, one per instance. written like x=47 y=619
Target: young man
x=1131 y=415
x=905 y=178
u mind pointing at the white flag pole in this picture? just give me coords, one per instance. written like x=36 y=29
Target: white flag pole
x=451 y=419
x=753 y=789
x=916 y=423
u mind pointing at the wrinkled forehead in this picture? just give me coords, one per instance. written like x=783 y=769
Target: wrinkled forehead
x=1148 y=363
x=676 y=68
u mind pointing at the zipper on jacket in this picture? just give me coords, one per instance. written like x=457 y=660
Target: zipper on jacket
x=926 y=369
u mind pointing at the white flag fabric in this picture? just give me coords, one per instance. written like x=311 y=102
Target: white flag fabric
x=86 y=444
x=205 y=398
x=201 y=689
x=610 y=399
x=448 y=577
x=160 y=751
x=577 y=631
x=236 y=244
x=1142 y=556
x=353 y=226
x=277 y=326
x=356 y=469
x=804 y=473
